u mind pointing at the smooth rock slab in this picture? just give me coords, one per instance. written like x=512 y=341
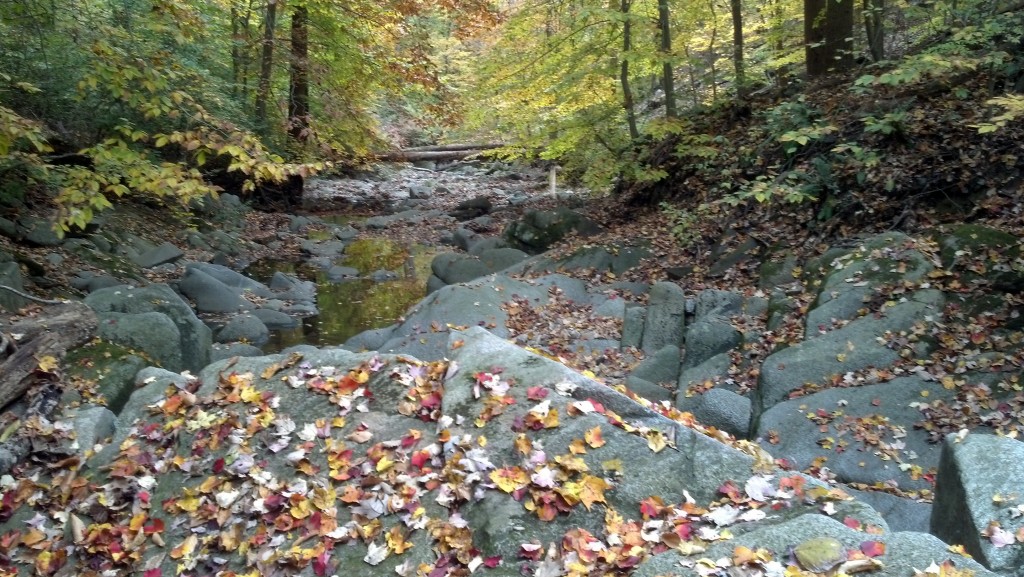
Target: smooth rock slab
x=162 y=254
x=211 y=295
x=724 y=410
x=868 y=431
x=904 y=551
x=244 y=328
x=708 y=337
x=853 y=347
x=980 y=482
x=665 y=317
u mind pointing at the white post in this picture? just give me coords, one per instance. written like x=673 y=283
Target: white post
x=552 y=179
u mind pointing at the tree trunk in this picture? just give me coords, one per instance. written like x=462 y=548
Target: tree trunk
x=627 y=93
x=246 y=56
x=828 y=35
x=236 y=52
x=266 y=65
x=298 y=96
x=736 y=6
x=712 y=66
x=668 y=72
x=874 y=27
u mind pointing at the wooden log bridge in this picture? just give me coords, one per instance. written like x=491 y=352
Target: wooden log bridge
x=440 y=152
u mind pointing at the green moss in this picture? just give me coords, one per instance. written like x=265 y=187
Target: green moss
x=105 y=369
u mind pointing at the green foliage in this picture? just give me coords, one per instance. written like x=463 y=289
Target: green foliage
x=1013 y=107
x=685 y=223
x=794 y=140
x=792 y=187
x=973 y=46
x=788 y=116
x=859 y=159
x=891 y=124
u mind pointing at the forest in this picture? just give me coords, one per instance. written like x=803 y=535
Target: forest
x=746 y=100
x=285 y=290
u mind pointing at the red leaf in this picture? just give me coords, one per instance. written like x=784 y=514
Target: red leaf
x=320 y=563
x=872 y=548
x=155 y=525
x=852 y=523
x=536 y=393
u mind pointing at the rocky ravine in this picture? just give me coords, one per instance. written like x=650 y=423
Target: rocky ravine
x=460 y=439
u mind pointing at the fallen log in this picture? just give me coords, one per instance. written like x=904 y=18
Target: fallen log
x=439 y=152
x=64 y=327
x=454 y=147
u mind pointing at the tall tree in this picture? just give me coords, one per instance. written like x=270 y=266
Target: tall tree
x=266 y=65
x=828 y=35
x=667 y=69
x=298 y=94
x=874 y=27
x=736 y=7
x=241 y=43
x=627 y=92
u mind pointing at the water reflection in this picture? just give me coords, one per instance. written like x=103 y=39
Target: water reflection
x=350 y=307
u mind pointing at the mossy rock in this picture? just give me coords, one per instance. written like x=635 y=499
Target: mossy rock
x=110 y=366
x=983 y=254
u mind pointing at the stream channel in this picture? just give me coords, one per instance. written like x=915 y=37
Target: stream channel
x=393 y=270
x=349 y=307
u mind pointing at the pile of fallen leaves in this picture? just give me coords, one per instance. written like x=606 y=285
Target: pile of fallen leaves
x=346 y=485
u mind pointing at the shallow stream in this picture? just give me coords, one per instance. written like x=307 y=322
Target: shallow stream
x=350 y=307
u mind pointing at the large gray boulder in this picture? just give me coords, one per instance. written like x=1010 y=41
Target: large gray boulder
x=537 y=230
x=154 y=333
x=887 y=258
x=244 y=328
x=977 y=499
x=863 y=434
x=697 y=466
x=211 y=295
x=161 y=254
x=709 y=337
x=856 y=346
x=665 y=318
x=424 y=330
x=232 y=278
x=904 y=553
x=195 y=336
x=10 y=275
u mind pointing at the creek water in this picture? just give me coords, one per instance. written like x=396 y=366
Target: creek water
x=350 y=307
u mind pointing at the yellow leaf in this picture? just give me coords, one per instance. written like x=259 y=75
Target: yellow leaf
x=594 y=438
x=396 y=540
x=185 y=549
x=47 y=364
x=576 y=447
x=384 y=464
x=251 y=395
x=656 y=441
x=612 y=466
x=523 y=444
x=509 y=479
x=588 y=490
